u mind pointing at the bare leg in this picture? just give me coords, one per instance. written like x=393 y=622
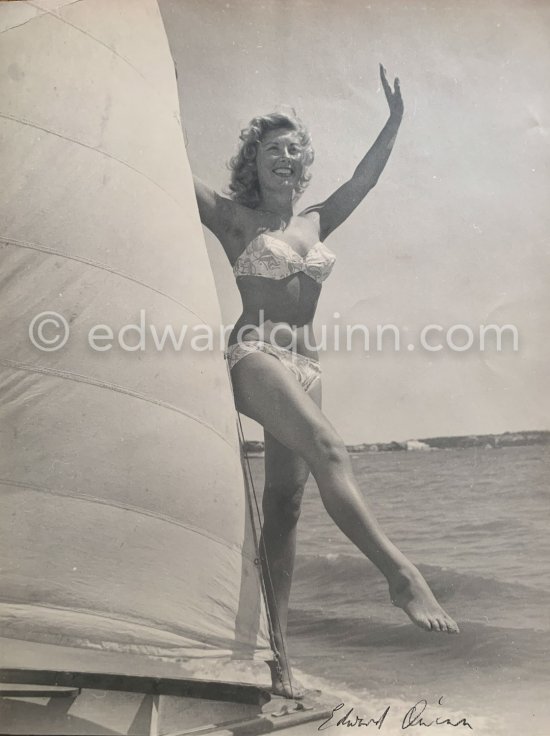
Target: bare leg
x=285 y=476
x=269 y=394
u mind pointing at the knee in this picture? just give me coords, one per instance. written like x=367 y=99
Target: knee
x=283 y=505
x=329 y=447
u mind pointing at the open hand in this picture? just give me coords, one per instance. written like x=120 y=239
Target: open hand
x=395 y=101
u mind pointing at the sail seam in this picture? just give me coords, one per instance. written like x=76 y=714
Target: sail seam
x=108 y=385
x=23 y=23
x=59 y=17
x=96 y=264
x=202 y=638
x=95 y=149
x=128 y=507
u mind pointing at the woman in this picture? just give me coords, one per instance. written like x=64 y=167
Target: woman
x=279 y=260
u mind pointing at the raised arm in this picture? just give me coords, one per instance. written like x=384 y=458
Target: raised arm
x=220 y=215
x=215 y=211
x=339 y=206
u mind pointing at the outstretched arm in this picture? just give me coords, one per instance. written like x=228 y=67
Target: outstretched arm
x=339 y=206
x=219 y=214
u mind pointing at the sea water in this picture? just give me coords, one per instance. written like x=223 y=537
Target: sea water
x=476 y=522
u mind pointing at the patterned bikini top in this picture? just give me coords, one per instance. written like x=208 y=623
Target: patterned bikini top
x=272 y=258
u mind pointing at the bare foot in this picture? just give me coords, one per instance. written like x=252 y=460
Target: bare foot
x=283 y=684
x=409 y=591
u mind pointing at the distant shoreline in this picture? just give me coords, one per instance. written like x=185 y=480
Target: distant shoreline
x=463 y=442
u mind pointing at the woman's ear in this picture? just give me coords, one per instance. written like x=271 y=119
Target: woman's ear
x=250 y=151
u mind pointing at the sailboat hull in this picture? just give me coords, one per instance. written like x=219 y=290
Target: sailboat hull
x=78 y=704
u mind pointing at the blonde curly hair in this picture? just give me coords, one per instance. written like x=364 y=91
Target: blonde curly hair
x=244 y=186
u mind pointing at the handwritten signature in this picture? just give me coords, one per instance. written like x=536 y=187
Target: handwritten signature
x=415 y=716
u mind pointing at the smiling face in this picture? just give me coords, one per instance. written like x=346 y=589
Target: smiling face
x=279 y=160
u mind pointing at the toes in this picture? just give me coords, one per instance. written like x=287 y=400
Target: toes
x=452 y=627
x=289 y=690
x=448 y=625
x=296 y=691
x=424 y=623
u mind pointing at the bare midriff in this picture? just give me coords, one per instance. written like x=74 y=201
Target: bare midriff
x=284 y=308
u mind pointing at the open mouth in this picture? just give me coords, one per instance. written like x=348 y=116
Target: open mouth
x=283 y=171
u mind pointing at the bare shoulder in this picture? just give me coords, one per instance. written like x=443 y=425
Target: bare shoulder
x=330 y=214
x=312 y=217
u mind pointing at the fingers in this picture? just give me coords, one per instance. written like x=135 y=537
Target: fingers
x=384 y=80
x=387 y=87
x=398 y=99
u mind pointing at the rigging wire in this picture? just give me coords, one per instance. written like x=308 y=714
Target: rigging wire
x=259 y=544
x=260 y=547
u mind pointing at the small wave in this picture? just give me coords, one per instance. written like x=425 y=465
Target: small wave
x=478 y=644
x=346 y=578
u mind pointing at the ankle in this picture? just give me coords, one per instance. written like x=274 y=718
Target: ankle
x=403 y=574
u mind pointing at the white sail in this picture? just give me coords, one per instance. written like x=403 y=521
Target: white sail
x=123 y=515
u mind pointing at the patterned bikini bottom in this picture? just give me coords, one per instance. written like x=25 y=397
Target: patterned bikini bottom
x=305 y=370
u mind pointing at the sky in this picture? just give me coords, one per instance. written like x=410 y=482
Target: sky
x=457 y=229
